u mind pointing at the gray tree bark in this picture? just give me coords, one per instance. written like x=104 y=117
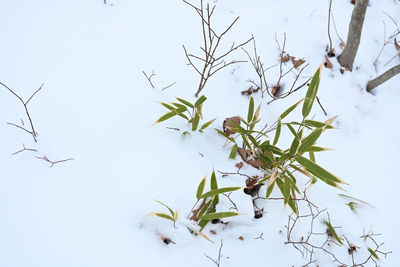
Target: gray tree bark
x=346 y=59
x=383 y=77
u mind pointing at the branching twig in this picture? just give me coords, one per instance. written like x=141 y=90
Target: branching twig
x=24 y=149
x=149 y=77
x=25 y=104
x=210 y=63
x=53 y=162
x=218 y=260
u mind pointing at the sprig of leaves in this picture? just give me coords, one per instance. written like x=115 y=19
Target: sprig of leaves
x=192 y=113
x=260 y=149
x=172 y=217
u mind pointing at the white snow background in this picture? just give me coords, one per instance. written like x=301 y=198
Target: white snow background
x=97 y=107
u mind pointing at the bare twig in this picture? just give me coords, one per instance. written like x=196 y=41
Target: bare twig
x=149 y=77
x=260 y=237
x=210 y=63
x=168 y=86
x=330 y=52
x=53 y=162
x=234 y=207
x=259 y=68
x=25 y=104
x=319 y=103
x=218 y=260
x=24 y=149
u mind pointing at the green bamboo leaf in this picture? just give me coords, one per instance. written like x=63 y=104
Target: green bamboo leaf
x=179 y=105
x=237 y=128
x=219 y=215
x=183 y=101
x=246 y=142
x=195 y=122
x=311 y=92
x=250 y=112
x=227 y=137
x=292 y=205
x=269 y=190
x=253 y=141
x=318 y=124
x=373 y=253
x=205 y=125
x=284 y=114
x=286 y=191
x=312 y=156
x=278 y=131
x=233 y=153
x=204 y=209
x=317 y=149
x=167 y=106
x=310 y=140
x=160 y=214
x=169 y=115
x=293 y=131
x=333 y=232
x=200 y=101
x=294 y=147
x=201 y=186
x=170 y=210
x=215 y=192
x=319 y=172
x=214 y=186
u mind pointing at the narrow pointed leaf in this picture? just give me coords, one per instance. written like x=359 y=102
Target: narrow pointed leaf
x=333 y=232
x=318 y=171
x=170 y=210
x=219 y=215
x=278 y=131
x=286 y=112
x=183 y=101
x=250 y=112
x=269 y=190
x=216 y=192
x=204 y=209
x=233 y=153
x=195 y=122
x=373 y=253
x=201 y=186
x=318 y=124
x=310 y=140
x=311 y=92
x=205 y=125
x=200 y=101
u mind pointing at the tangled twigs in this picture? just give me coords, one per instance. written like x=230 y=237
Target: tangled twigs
x=53 y=162
x=25 y=104
x=309 y=245
x=24 y=149
x=210 y=63
x=277 y=90
x=218 y=260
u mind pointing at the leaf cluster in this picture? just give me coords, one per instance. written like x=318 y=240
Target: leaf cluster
x=260 y=150
x=192 y=113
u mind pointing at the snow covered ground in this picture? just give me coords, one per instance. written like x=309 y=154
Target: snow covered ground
x=97 y=107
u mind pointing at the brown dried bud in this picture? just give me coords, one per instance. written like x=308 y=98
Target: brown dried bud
x=227 y=127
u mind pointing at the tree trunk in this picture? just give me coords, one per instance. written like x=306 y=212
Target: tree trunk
x=346 y=59
x=383 y=77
